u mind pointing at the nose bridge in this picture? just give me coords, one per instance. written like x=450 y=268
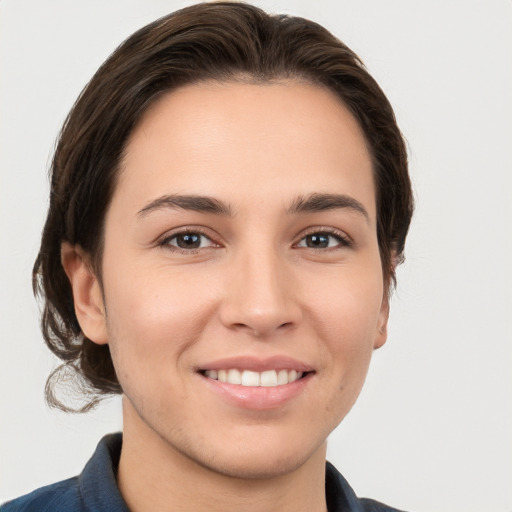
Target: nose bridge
x=260 y=297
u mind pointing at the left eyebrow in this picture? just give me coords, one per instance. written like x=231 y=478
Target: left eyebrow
x=322 y=202
x=203 y=204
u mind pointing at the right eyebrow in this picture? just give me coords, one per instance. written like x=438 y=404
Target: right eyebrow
x=203 y=204
x=320 y=202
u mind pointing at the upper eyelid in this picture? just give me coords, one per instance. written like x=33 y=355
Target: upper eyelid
x=183 y=230
x=164 y=243
x=164 y=240
x=175 y=235
x=326 y=230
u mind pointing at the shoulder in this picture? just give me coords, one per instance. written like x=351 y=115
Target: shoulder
x=342 y=498
x=94 y=490
x=62 y=496
x=374 y=506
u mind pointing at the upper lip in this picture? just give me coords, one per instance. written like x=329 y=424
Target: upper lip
x=257 y=364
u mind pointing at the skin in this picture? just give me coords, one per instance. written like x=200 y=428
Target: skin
x=252 y=288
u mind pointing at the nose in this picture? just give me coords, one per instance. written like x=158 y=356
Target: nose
x=261 y=297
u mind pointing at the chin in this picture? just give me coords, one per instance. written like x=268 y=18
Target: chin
x=257 y=467
x=261 y=457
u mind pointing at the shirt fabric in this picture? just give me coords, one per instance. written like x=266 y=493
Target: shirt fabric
x=95 y=489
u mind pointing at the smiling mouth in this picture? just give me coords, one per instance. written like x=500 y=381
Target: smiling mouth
x=249 y=378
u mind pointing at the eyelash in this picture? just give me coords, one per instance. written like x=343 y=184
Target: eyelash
x=343 y=241
x=166 y=242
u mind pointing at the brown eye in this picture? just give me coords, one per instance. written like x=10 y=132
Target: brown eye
x=317 y=241
x=188 y=240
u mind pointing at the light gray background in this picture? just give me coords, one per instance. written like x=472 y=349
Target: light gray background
x=432 y=429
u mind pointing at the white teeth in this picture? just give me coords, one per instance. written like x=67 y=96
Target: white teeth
x=234 y=377
x=282 y=377
x=268 y=378
x=250 y=378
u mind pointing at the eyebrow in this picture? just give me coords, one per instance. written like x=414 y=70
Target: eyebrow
x=323 y=202
x=316 y=202
x=202 y=204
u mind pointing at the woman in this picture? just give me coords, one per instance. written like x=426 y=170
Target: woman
x=230 y=199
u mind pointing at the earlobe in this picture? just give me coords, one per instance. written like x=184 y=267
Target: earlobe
x=87 y=295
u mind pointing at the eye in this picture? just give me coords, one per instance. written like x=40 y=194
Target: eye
x=188 y=240
x=323 y=240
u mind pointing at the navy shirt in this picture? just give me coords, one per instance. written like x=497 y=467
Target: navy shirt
x=95 y=489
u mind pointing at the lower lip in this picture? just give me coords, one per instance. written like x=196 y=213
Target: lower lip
x=258 y=398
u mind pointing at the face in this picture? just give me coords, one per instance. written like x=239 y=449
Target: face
x=242 y=283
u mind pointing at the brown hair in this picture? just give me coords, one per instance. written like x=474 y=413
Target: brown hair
x=214 y=41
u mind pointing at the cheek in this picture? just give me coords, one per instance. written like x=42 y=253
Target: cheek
x=349 y=304
x=152 y=318
x=347 y=316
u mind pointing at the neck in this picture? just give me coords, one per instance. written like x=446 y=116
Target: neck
x=153 y=475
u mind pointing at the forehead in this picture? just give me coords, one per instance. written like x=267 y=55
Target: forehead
x=276 y=139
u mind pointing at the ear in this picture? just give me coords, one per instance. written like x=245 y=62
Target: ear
x=87 y=296
x=382 y=323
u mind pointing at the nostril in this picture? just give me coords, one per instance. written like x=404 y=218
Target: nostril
x=260 y=322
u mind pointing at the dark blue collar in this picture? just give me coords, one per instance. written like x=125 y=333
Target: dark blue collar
x=98 y=481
